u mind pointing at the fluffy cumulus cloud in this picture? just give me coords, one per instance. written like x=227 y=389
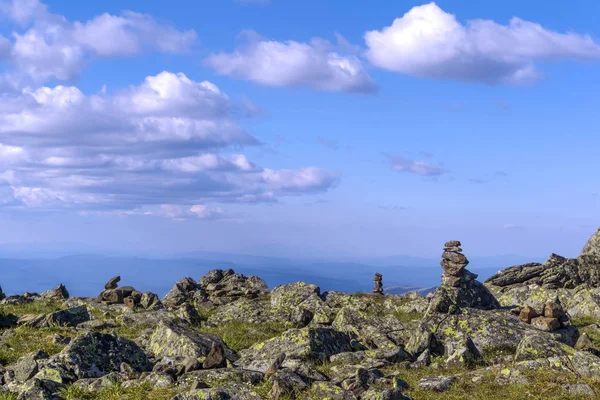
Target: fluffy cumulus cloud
x=429 y=42
x=315 y=65
x=51 y=47
x=164 y=144
x=423 y=168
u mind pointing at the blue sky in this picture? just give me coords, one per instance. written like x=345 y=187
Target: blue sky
x=325 y=127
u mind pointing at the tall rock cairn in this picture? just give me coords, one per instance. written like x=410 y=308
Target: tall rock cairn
x=459 y=289
x=454 y=264
x=378 y=284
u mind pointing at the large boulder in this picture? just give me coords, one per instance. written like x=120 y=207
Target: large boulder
x=292 y=294
x=171 y=339
x=96 y=354
x=469 y=294
x=305 y=343
x=69 y=317
x=491 y=331
x=373 y=330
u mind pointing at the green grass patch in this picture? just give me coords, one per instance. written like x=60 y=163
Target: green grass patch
x=117 y=391
x=24 y=340
x=35 y=307
x=8 y=396
x=240 y=335
x=407 y=316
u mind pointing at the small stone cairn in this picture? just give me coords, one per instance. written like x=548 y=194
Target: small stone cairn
x=378 y=283
x=552 y=317
x=113 y=294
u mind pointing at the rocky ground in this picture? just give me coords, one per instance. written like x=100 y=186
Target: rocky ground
x=531 y=332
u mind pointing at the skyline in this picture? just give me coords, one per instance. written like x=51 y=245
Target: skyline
x=319 y=128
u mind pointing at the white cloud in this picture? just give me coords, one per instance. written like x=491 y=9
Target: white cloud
x=422 y=168
x=307 y=179
x=52 y=47
x=129 y=34
x=293 y=64
x=176 y=212
x=160 y=142
x=428 y=42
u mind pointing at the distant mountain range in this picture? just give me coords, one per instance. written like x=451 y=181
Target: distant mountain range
x=85 y=274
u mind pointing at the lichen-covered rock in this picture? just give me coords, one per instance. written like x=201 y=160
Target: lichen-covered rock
x=435 y=383
x=58 y=293
x=181 y=292
x=592 y=247
x=292 y=294
x=556 y=272
x=580 y=390
x=237 y=391
x=172 y=339
x=330 y=391
x=216 y=377
x=463 y=352
x=371 y=329
x=96 y=354
x=150 y=301
x=532 y=347
x=68 y=317
x=149 y=319
x=492 y=330
x=375 y=393
x=470 y=294
x=251 y=311
x=305 y=343
x=27 y=366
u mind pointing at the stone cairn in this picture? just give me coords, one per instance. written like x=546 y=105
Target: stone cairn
x=551 y=318
x=113 y=294
x=454 y=264
x=378 y=283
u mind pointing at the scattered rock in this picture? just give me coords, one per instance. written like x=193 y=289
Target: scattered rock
x=527 y=314
x=215 y=357
x=545 y=324
x=580 y=389
x=583 y=342
x=58 y=293
x=276 y=365
x=435 y=383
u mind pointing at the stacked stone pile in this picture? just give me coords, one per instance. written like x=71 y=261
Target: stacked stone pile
x=127 y=295
x=378 y=284
x=454 y=264
x=459 y=288
x=551 y=318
